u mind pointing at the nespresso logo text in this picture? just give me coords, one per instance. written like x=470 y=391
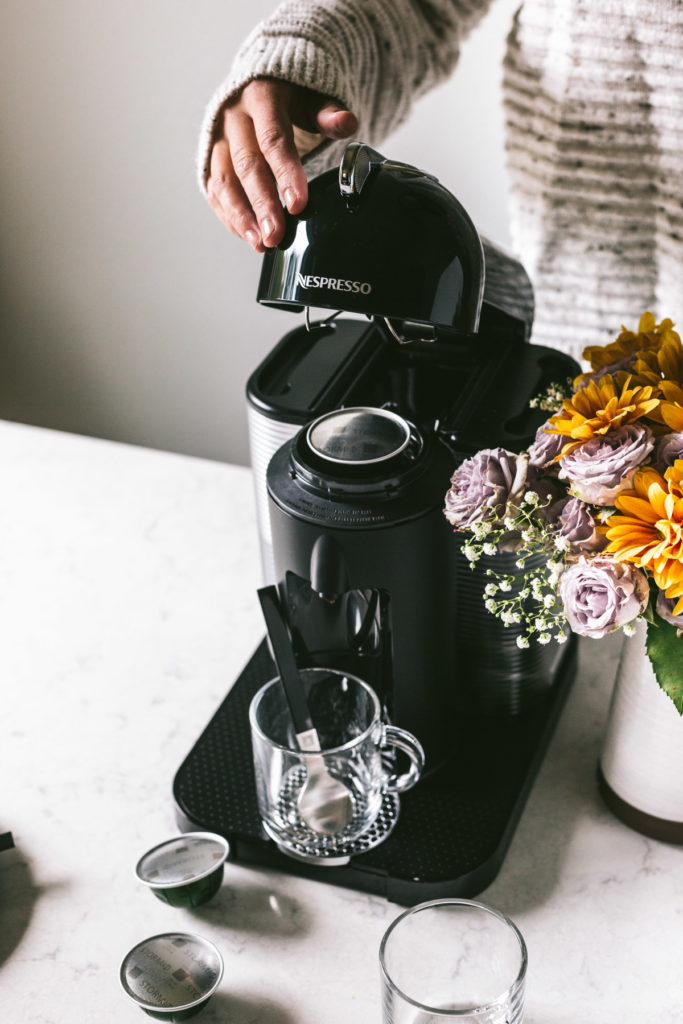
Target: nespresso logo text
x=337 y=284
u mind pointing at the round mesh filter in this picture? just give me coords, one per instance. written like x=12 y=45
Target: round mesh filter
x=358 y=436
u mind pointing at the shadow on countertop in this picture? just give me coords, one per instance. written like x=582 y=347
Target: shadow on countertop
x=263 y=909
x=565 y=790
x=17 y=897
x=240 y=1010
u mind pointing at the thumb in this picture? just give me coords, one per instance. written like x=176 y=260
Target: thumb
x=335 y=122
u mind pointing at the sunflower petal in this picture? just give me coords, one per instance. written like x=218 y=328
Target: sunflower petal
x=672 y=414
x=637 y=507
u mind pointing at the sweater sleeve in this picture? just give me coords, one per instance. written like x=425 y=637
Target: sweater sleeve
x=373 y=56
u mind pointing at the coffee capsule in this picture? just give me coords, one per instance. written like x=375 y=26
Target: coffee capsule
x=172 y=976
x=185 y=871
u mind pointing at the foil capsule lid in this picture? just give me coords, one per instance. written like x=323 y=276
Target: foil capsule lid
x=183 y=859
x=171 y=973
x=358 y=436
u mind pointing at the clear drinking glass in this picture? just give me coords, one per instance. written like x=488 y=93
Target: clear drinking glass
x=452 y=960
x=353 y=738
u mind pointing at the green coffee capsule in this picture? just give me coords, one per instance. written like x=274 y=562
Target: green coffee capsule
x=172 y=976
x=185 y=871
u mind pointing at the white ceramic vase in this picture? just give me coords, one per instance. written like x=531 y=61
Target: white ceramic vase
x=641 y=765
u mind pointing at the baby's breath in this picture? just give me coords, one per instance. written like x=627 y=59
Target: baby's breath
x=528 y=598
x=552 y=398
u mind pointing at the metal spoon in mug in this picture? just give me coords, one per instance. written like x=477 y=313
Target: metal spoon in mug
x=325 y=804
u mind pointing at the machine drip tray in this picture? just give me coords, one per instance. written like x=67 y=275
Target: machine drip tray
x=453 y=830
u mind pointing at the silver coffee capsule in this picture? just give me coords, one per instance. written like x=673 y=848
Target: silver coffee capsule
x=185 y=871
x=172 y=976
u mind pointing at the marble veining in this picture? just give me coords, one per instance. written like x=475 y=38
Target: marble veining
x=127 y=603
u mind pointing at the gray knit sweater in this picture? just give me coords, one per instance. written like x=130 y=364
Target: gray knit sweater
x=593 y=95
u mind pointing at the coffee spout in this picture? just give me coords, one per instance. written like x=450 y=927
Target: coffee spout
x=328 y=573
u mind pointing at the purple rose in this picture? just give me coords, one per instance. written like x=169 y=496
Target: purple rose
x=600 y=595
x=667 y=449
x=482 y=487
x=665 y=608
x=572 y=520
x=602 y=467
x=546 y=447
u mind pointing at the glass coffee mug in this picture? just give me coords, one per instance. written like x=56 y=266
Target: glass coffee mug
x=353 y=739
x=452 y=960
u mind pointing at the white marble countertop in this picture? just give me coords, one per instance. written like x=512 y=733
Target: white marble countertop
x=127 y=607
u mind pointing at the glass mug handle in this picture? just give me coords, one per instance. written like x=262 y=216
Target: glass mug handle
x=405 y=741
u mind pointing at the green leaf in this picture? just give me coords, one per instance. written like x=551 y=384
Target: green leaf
x=665 y=651
x=649 y=613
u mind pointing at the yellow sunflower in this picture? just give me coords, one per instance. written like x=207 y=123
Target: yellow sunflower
x=617 y=357
x=648 y=529
x=599 y=407
x=657 y=365
x=671 y=409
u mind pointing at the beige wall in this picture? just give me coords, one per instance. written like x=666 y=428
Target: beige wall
x=127 y=310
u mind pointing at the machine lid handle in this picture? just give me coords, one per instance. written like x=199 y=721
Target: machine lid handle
x=359 y=159
x=356 y=163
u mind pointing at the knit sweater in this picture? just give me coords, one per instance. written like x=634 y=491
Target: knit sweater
x=593 y=93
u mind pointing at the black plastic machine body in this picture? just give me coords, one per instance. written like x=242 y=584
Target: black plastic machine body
x=354 y=436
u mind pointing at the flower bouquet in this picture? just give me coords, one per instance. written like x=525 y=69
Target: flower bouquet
x=594 y=508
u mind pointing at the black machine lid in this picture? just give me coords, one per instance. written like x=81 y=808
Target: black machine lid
x=387 y=240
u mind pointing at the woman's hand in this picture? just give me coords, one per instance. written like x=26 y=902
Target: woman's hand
x=258 y=149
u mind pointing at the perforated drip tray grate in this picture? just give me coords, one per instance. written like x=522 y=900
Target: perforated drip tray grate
x=334 y=854
x=453 y=830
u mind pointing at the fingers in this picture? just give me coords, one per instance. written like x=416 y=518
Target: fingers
x=335 y=122
x=321 y=116
x=260 y=134
x=269 y=105
x=228 y=199
x=257 y=156
x=255 y=177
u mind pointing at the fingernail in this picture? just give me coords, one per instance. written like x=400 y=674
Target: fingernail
x=290 y=198
x=252 y=237
x=267 y=227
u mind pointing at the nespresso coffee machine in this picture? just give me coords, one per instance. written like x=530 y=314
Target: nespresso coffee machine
x=356 y=425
